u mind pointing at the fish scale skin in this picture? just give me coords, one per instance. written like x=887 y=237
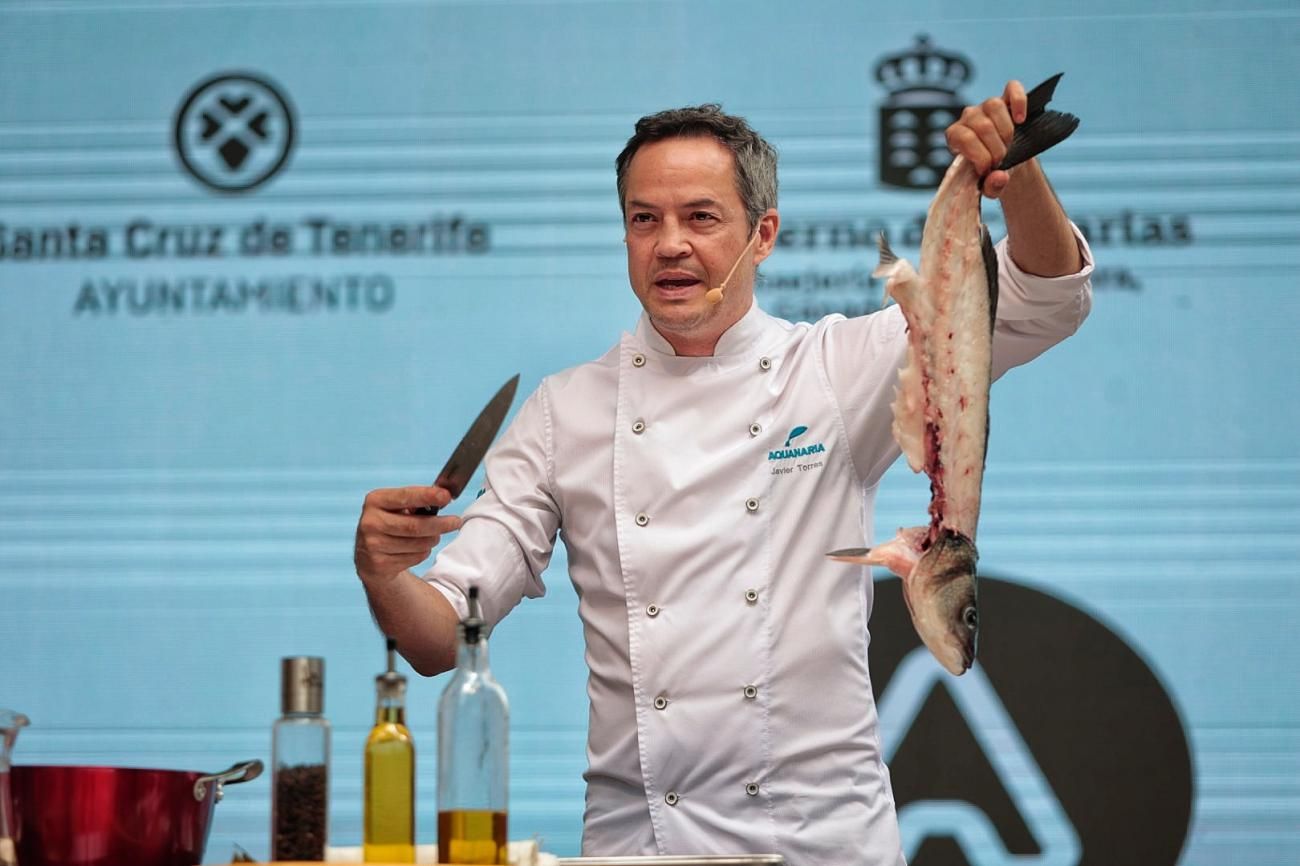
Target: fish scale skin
x=941 y=407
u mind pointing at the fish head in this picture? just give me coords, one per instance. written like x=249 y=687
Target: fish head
x=941 y=597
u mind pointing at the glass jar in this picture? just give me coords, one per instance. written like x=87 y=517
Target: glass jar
x=300 y=758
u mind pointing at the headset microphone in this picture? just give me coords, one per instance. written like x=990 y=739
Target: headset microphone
x=714 y=295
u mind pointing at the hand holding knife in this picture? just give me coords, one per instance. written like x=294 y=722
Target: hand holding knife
x=394 y=532
x=473 y=445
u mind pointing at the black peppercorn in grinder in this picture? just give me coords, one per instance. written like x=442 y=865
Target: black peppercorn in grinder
x=300 y=757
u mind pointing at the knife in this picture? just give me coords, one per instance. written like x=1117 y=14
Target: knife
x=474 y=444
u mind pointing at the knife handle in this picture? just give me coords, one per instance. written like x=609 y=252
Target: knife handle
x=425 y=510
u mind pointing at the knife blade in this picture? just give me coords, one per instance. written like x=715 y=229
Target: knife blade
x=474 y=444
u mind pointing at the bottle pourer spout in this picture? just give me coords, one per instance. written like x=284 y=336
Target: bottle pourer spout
x=473 y=623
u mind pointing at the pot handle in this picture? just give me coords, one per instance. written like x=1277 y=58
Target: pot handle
x=244 y=771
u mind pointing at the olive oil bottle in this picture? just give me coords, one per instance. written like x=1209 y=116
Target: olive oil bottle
x=473 y=727
x=389 y=833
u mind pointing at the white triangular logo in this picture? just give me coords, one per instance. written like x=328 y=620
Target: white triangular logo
x=1007 y=753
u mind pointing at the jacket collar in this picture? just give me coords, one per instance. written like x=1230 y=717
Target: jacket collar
x=739 y=338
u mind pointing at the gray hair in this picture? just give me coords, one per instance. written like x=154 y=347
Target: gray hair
x=755 y=159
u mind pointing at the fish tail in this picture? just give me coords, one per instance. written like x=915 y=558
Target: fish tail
x=1042 y=129
x=1036 y=100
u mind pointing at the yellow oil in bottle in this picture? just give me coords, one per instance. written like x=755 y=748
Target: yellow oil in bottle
x=473 y=726
x=471 y=836
x=389 y=813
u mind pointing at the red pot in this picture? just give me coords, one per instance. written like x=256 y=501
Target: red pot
x=114 y=816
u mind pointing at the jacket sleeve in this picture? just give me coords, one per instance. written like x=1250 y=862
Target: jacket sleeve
x=509 y=531
x=862 y=356
x=1035 y=313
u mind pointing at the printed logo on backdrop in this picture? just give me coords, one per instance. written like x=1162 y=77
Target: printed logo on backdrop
x=912 y=154
x=922 y=103
x=234 y=131
x=1060 y=746
x=921 y=94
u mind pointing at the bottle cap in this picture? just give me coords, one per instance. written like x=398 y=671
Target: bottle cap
x=302 y=684
x=390 y=684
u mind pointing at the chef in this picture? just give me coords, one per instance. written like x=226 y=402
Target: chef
x=697 y=473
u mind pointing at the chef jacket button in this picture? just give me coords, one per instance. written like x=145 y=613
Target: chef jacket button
x=661 y=703
x=751 y=692
x=764 y=363
x=638 y=360
x=751 y=596
x=752 y=789
x=652 y=610
x=755 y=429
x=642 y=518
x=638 y=426
x=671 y=798
x=751 y=504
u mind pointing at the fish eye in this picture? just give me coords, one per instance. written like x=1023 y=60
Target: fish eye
x=971 y=617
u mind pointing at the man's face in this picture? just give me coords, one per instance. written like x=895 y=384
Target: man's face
x=685 y=228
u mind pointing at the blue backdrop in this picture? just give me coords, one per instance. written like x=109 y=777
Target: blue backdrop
x=208 y=355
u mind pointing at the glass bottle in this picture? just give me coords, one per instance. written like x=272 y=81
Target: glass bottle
x=300 y=757
x=473 y=724
x=389 y=819
x=10 y=723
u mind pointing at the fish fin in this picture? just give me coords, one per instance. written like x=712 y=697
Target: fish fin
x=899 y=554
x=887 y=255
x=1042 y=129
x=858 y=555
x=990 y=270
x=885 y=267
x=991 y=274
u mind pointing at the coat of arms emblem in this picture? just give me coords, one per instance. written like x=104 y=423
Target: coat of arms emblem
x=922 y=102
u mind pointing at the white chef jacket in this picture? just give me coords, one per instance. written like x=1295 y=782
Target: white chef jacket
x=731 y=708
